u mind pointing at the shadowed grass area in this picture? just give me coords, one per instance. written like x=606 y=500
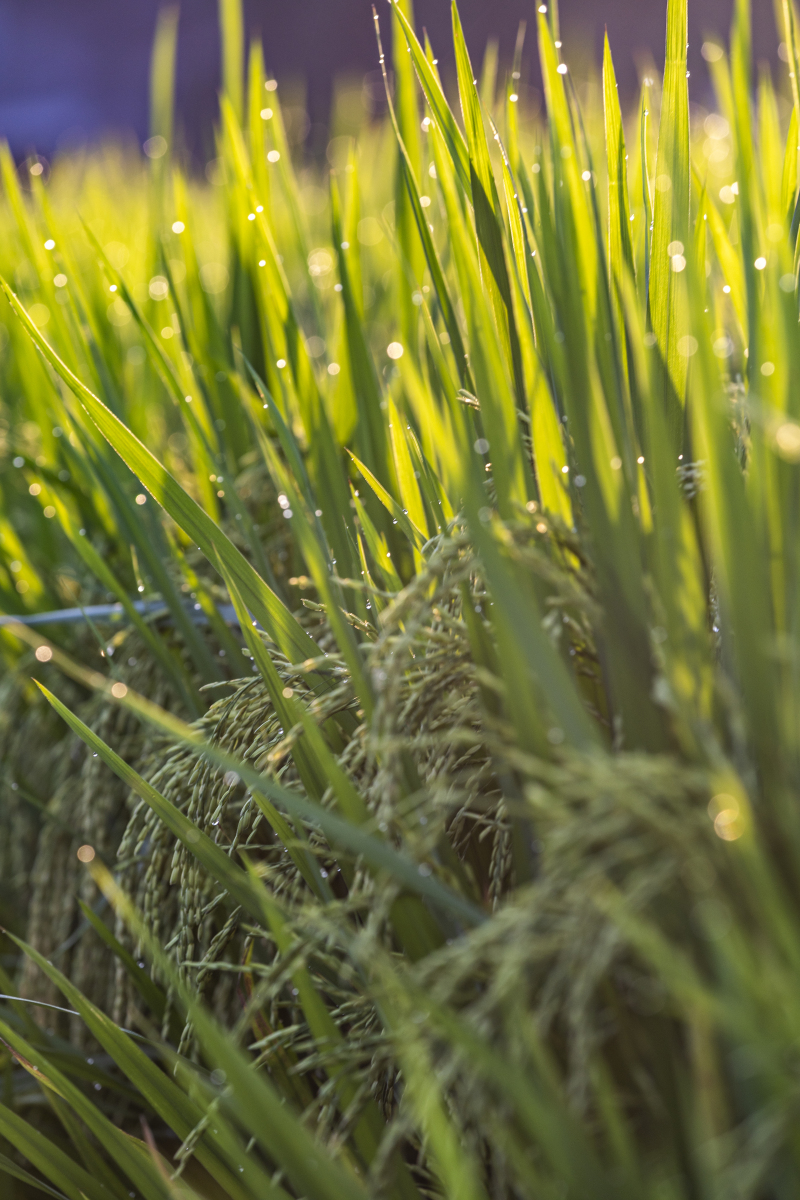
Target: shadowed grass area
x=462 y=862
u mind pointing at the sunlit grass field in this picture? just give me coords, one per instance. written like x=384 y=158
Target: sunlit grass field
x=400 y=668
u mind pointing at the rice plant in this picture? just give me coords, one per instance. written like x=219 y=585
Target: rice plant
x=400 y=677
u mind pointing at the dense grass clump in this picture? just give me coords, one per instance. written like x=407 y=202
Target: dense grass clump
x=407 y=806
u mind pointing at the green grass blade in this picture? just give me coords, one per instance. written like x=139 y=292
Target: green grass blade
x=261 y=601
x=671 y=221
x=409 y=488
x=10 y=1168
x=150 y=992
x=620 y=248
x=442 y=116
x=408 y=239
x=489 y=225
x=750 y=200
x=370 y=1126
x=442 y=290
x=457 y=1168
x=412 y=531
x=647 y=204
x=596 y=408
x=231 y=26
x=488 y=362
x=162 y=82
x=156 y=1087
x=378 y=548
x=370 y=431
x=251 y=1097
x=526 y=652
x=124 y=1150
x=730 y=262
x=789 y=178
x=96 y=563
x=69 y=1177
x=549 y=455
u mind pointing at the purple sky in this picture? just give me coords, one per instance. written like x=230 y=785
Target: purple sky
x=75 y=69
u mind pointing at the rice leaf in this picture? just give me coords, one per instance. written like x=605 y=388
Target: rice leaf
x=620 y=249
x=250 y=1096
x=236 y=1172
x=68 y=1176
x=442 y=115
x=10 y=1168
x=260 y=599
x=671 y=221
x=138 y=1167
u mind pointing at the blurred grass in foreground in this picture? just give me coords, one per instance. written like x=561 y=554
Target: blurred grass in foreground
x=482 y=881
